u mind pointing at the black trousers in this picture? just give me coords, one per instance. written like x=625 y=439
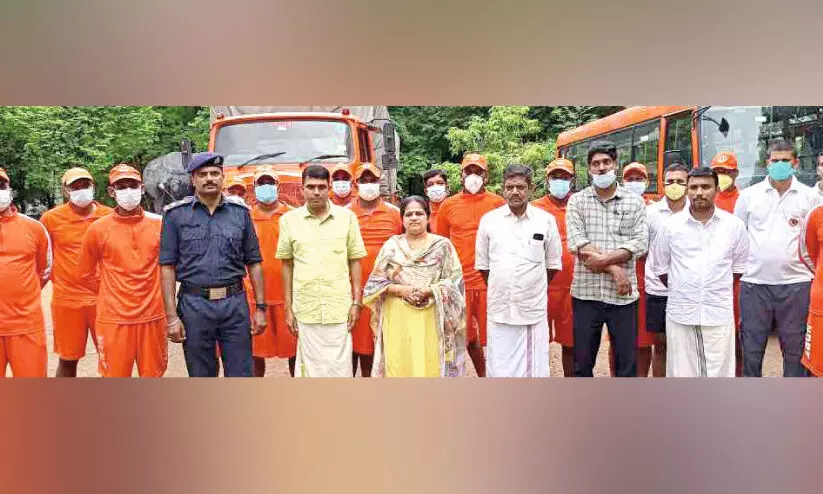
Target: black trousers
x=621 y=321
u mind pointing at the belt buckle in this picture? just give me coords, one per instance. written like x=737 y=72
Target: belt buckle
x=218 y=293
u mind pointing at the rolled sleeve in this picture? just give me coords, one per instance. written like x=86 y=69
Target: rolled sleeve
x=169 y=243
x=481 y=245
x=741 y=251
x=554 y=247
x=661 y=253
x=284 y=243
x=575 y=226
x=638 y=245
x=251 y=245
x=356 y=247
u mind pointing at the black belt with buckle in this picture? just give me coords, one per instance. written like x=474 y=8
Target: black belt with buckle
x=214 y=292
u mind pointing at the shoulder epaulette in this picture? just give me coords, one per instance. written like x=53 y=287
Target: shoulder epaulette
x=181 y=202
x=236 y=201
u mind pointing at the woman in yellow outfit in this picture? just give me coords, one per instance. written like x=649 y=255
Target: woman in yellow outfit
x=417 y=301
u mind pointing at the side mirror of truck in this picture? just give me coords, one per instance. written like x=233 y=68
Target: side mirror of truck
x=185 y=151
x=389 y=141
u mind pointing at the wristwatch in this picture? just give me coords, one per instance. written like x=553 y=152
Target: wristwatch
x=262 y=306
x=358 y=304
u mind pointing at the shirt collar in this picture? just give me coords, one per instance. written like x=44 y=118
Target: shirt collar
x=307 y=213
x=619 y=193
x=197 y=201
x=527 y=214
x=691 y=218
x=794 y=186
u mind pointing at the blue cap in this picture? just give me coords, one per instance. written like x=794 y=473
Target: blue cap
x=200 y=160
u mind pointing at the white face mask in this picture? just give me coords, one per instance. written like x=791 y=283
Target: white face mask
x=473 y=183
x=368 y=192
x=436 y=193
x=605 y=180
x=636 y=187
x=128 y=199
x=341 y=188
x=82 y=198
x=5 y=199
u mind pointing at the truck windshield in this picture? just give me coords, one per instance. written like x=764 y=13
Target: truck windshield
x=751 y=128
x=298 y=140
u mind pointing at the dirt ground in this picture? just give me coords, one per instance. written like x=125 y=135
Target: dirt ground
x=772 y=366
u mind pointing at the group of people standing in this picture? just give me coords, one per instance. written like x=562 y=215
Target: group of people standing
x=690 y=285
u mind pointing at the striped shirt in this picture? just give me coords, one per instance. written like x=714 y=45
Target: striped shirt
x=617 y=223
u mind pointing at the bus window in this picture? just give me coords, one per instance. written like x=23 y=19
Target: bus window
x=623 y=140
x=645 y=145
x=679 y=139
x=577 y=155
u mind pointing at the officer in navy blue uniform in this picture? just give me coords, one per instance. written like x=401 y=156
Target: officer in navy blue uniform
x=208 y=242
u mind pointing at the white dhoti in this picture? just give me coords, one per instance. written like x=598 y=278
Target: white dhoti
x=518 y=350
x=323 y=350
x=699 y=351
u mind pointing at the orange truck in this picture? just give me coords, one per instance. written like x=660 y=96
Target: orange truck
x=290 y=140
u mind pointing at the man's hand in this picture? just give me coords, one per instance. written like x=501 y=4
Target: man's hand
x=290 y=322
x=354 y=315
x=259 y=324
x=596 y=262
x=176 y=331
x=624 y=286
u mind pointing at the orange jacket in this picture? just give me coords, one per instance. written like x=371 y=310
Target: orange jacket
x=813 y=236
x=267 y=226
x=563 y=279
x=458 y=220
x=25 y=266
x=376 y=227
x=726 y=200
x=126 y=250
x=67 y=229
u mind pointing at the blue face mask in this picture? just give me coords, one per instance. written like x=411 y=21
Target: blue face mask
x=266 y=194
x=559 y=188
x=781 y=170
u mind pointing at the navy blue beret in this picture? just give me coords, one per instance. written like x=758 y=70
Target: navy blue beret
x=200 y=160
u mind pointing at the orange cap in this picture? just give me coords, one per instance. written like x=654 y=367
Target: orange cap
x=561 y=164
x=635 y=167
x=474 y=159
x=122 y=171
x=368 y=167
x=4 y=176
x=724 y=159
x=74 y=174
x=266 y=171
x=341 y=167
x=234 y=181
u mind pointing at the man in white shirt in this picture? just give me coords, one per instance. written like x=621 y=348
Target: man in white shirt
x=674 y=201
x=697 y=255
x=517 y=252
x=775 y=289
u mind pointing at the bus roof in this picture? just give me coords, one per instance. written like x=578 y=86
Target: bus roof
x=285 y=116
x=622 y=119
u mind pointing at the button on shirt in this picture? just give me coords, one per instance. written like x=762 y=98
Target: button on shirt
x=774 y=224
x=208 y=250
x=618 y=223
x=656 y=215
x=321 y=249
x=517 y=252
x=700 y=261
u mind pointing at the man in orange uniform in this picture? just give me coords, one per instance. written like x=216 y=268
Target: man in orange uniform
x=378 y=222
x=812 y=241
x=73 y=305
x=341 y=185
x=559 y=179
x=25 y=267
x=235 y=186
x=636 y=179
x=458 y=220
x=277 y=341
x=125 y=248
x=436 y=183
x=725 y=164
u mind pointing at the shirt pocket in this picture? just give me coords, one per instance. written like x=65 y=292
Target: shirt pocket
x=192 y=239
x=231 y=239
x=534 y=251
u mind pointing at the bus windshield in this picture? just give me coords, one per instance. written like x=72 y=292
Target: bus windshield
x=297 y=140
x=751 y=128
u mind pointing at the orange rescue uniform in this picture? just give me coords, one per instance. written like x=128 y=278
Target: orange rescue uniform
x=341 y=201
x=131 y=324
x=435 y=209
x=812 y=357
x=73 y=303
x=25 y=266
x=276 y=341
x=458 y=220
x=376 y=227
x=726 y=201
x=560 y=297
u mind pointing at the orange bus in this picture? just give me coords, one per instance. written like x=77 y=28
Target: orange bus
x=657 y=135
